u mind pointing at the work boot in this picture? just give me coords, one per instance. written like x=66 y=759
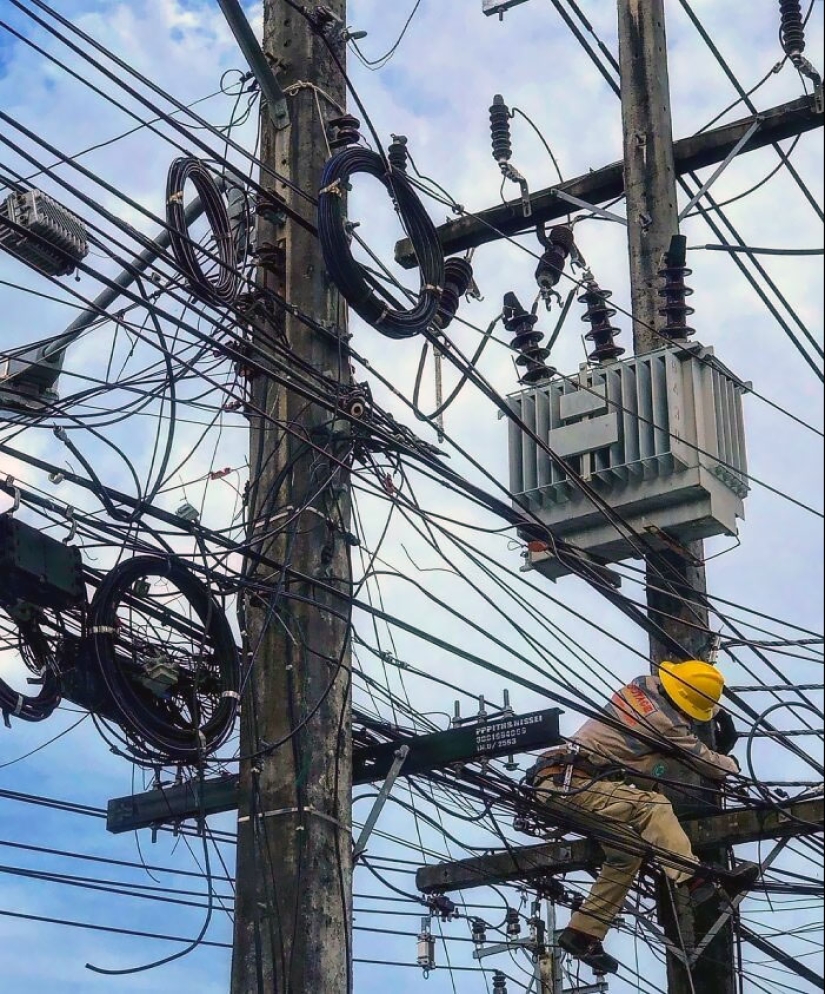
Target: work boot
x=589 y=950
x=740 y=879
x=701 y=888
x=727 y=884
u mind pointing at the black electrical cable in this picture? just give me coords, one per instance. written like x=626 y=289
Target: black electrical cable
x=759 y=251
x=219 y=289
x=348 y=275
x=160 y=728
x=38 y=707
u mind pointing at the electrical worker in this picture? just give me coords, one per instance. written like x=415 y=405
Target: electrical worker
x=590 y=782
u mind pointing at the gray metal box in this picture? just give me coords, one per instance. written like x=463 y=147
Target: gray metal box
x=660 y=437
x=42 y=233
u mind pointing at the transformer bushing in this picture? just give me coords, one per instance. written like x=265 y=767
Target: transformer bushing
x=676 y=309
x=527 y=342
x=602 y=333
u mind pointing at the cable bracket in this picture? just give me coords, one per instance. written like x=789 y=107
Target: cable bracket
x=383 y=795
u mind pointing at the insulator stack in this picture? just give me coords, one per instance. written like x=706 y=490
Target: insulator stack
x=675 y=293
x=500 y=130
x=513 y=923
x=792 y=31
x=499 y=982
x=527 y=341
x=479 y=927
x=344 y=131
x=458 y=275
x=397 y=153
x=598 y=315
x=558 y=246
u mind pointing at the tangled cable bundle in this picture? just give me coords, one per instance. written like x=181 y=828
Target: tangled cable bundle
x=348 y=275
x=195 y=714
x=222 y=288
x=37 y=654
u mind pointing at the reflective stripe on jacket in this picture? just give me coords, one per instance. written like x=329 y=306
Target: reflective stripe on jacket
x=643 y=707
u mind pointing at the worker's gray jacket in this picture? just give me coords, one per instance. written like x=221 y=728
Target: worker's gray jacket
x=642 y=707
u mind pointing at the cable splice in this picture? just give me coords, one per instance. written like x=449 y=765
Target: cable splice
x=598 y=315
x=527 y=341
x=348 y=275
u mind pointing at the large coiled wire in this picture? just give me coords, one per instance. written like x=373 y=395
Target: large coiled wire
x=222 y=286
x=199 y=714
x=349 y=276
x=36 y=651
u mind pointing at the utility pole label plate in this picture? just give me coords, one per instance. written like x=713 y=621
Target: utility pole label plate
x=485 y=740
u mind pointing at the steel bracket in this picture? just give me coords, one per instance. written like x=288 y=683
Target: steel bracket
x=584 y=205
x=743 y=141
x=275 y=97
x=383 y=795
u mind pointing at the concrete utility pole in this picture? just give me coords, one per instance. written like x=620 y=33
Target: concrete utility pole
x=653 y=216
x=294 y=874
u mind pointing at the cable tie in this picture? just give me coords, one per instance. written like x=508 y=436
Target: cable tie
x=176 y=198
x=436 y=289
x=103 y=630
x=383 y=316
x=18 y=707
x=231 y=693
x=279 y=812
x=334 y=188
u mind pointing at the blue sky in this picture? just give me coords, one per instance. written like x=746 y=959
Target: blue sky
x=437 y=91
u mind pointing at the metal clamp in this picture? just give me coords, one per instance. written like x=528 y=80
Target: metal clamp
x=69 y=512
x=15 y=490
x=743 y=141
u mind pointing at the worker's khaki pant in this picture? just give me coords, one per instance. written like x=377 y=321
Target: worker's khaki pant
x=622 y=818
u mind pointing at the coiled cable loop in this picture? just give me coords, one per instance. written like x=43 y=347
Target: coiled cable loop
x=222 y=286
x=354 y=283
x=37 y=653
x=188 y=711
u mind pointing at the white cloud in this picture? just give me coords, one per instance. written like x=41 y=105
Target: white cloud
x=437 y=90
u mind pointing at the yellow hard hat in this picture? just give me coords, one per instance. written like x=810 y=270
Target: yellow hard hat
x=695 y=687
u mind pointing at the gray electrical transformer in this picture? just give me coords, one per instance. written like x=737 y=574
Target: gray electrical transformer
x=659 y=437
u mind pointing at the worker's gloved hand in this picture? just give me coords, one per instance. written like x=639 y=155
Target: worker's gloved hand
x=726 y=734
